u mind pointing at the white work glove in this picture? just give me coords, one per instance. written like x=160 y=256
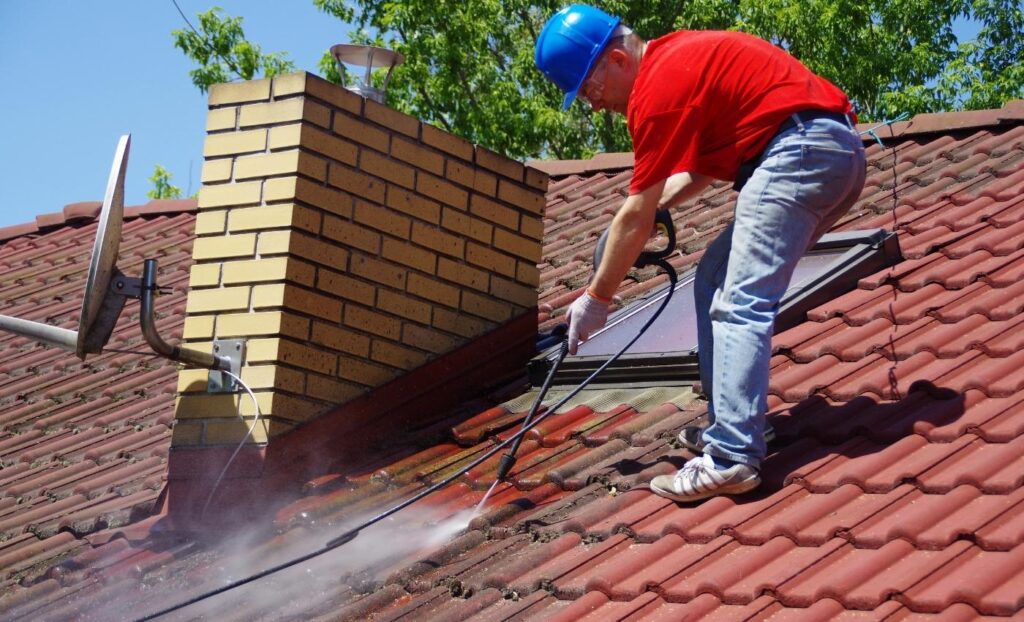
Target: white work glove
x=586 y=315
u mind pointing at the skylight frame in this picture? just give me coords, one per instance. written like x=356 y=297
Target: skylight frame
x=866 y=252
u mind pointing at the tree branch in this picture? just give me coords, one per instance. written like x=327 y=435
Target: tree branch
x=207 y=44
x=422 y=91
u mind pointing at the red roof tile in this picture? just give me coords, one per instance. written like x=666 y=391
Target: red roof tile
x=894 y=491
x=82 y=445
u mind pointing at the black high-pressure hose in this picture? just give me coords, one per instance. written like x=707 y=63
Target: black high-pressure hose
x=657 y=258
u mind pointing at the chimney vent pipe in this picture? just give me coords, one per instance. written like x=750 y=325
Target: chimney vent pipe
x=367 y=58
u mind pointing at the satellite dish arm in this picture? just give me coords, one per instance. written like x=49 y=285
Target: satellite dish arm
x=176 y=353
x=53 y=335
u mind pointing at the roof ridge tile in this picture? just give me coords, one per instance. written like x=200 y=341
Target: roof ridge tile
x=86 y=212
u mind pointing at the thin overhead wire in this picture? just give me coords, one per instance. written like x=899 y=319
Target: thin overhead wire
x=892 y=375
x=184 y=17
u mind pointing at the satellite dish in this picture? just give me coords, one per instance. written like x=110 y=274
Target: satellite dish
x=100 y=307
x=107 y=289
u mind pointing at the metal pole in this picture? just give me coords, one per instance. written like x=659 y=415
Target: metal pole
x=188 y=356
x=53 y=335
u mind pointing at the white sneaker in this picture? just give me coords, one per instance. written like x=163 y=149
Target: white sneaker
x=699 y=479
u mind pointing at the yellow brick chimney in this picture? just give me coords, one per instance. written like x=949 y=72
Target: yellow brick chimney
x=347 y=244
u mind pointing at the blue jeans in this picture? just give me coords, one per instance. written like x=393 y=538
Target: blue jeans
x=809 y=176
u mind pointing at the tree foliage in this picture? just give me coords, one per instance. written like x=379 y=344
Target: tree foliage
x=222 y=53
x=988 y=71
x=162 y=188
x=469 y=65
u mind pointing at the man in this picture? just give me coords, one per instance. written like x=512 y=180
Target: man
x=703 y=105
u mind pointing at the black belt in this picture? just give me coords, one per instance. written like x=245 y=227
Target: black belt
x=806 y=116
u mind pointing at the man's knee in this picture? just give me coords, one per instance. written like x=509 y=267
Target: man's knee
x=737 y=307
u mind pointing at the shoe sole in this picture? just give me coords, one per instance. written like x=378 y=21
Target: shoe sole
x=732 y=489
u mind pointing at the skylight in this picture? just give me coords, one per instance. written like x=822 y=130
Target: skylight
x=676 y=330
x=830 y=269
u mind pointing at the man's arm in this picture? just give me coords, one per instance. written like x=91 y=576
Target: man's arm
x=626 y=238
x=632 y=226
x=682 y=187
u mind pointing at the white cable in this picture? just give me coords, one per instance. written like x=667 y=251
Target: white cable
x=241 y=444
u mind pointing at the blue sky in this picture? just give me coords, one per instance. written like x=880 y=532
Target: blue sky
x=78 y=74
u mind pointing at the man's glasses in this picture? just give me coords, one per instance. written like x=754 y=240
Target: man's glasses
x=593 y=88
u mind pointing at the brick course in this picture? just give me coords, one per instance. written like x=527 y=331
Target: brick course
x=449 y=143
x=408 y=255
x=274 y=217
x=441 y=190
x=364 y=133
x=413 y=204
x=466 y=226
x=312 y=193
x=216 y=170
x=494 y=212
x=298 y=109
x=382 y=219
x=235 y=143
x=390 y=169
x=357 y=183
x=239 y=92
x=422 y=158
x=309 y=137
x=432 y=237
x=221 y=119
x=210 y=222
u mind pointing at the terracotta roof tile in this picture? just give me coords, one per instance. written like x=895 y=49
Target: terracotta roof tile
x=68 y=471
x=988 y=581
x=894 y=490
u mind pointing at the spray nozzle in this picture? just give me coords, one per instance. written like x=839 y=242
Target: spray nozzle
x=505 y=465
x=663 y=224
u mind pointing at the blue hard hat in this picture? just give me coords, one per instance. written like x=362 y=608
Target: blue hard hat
x=570 y=43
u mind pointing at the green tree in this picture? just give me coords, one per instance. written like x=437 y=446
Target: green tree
x=989 y=70
x=222 y=52
x=896 y=56
x=469 y=69
x=469 y=65
x=162 y=188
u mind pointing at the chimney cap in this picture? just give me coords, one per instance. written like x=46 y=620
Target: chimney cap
x=368 y=57
x=364 y=55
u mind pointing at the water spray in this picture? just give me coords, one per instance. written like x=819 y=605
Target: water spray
x=663 y=222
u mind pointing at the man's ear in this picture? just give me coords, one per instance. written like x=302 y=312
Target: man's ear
x=619 y=57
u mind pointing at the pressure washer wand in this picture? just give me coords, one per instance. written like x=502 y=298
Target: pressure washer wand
x=663 y=223
x=508 y=459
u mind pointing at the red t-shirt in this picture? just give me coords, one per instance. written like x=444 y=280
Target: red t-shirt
x=707 y=101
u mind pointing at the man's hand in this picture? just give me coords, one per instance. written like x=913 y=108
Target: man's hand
x=586 y=315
